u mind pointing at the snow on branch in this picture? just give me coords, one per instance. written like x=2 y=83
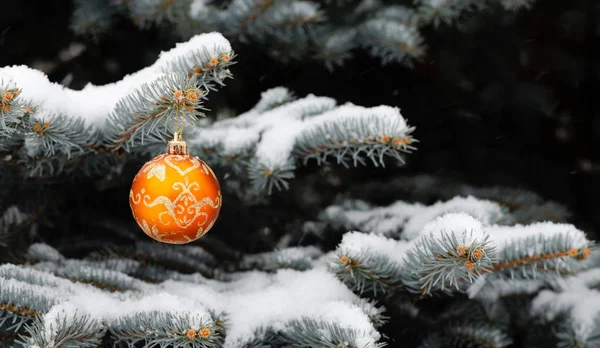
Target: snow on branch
x=65 y=326
x=458 y=253
x=50 y=129
x=298 y=258
x=539 y=249
x=370 y=263
x=358 y=215
x=279 y=132
x=288 y=306
x=577 y=312
x=95 y=103
x=452 y=251
x=406 y=220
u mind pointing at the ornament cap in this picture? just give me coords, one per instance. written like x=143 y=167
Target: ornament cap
x=177 y=146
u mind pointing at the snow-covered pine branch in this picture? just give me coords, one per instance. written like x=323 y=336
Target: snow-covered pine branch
x=370 y=263
x=573 y=316
x=298 y=258
x=406 y=220
x=212 y=314
x=270 y=139
x=456 y=253
x=49 y=128
x=450 y=254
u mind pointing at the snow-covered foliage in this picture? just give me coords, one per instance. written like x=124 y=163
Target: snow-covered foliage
x=313 y=297
x=82 y=304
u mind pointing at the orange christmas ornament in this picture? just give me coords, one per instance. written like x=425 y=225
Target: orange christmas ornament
x=175 y=198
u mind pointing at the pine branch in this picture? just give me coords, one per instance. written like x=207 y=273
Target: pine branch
x=452 y=252
x=298 y=258
x=148 y=115
x=352 y=132
x=487 y=212
x=446 y=11
x=298 y=30
x=266 y=142
x=539 y=250
x=21 y=302
x=101 y=278
x=308 y=332
x=167 y=328
x=391 y=41
x=473 y=334
x=50 y=129
x=29 y=276
x=358 y=215
x=375 y=314
x=148 y=12
x=59 y=329
x=335 y=48
x=186 y=258
x=263 y=337
x=92 y=18
x=578 y=320
x=369 y=263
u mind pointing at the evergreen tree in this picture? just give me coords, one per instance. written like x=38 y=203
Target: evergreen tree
x=311 y=247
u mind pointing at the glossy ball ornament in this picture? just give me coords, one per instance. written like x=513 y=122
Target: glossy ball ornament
x=175 y=198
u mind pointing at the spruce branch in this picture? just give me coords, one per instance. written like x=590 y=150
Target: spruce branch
x=452 y=252
x=265 y=178
x=52 y=130
x=29 y=276
x=271 y=99
x=289 y=19
x=487 y=212
x=524 y=206
x=12 y=107
x=11 y=218
x=512 y=205
x=64 y=330
x=475 y=334
x=50 y=135
x=353 y=133
x=539 y=249
x=148 y=12
x=167 y=329
x=101 y=278
x=446 y=11
x=266 y=143
x=391 y=41
x=92 y=17
x=308 y=332
x=21 y=302
x=263 y=337
x=149 y=114
x=186 y=259
x=298 y=30
x=388 y=221
x=365 y=265
x=571 y=335
x=374 y=313
x=335 y=48
x=578 y=320
x=298 y=258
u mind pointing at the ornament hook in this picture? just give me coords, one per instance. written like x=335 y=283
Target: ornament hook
x=177 y=146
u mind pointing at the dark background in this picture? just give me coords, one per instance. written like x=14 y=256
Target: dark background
x=514 y=102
